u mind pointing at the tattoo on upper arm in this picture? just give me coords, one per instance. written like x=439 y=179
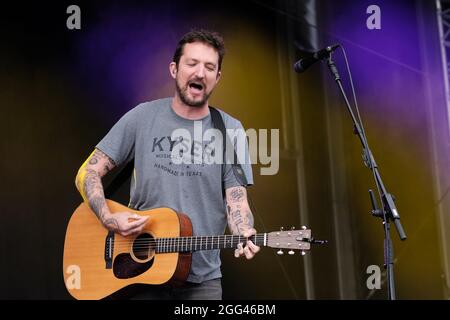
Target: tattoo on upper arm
x=93 y=160
x=106 y=163
x=93 y=192
x=90 y=181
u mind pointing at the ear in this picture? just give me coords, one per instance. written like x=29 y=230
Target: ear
x=173 y=69
x=219 y=74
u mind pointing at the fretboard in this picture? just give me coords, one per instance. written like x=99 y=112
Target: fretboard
x=186 y=244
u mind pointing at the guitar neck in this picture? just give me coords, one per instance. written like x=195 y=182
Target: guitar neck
x=188 y=244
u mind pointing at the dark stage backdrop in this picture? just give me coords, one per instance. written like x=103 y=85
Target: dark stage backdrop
x=62 y=90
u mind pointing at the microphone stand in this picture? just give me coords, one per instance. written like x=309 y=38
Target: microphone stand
x=389 y=211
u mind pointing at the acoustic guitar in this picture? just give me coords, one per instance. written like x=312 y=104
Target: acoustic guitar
x=98 y=263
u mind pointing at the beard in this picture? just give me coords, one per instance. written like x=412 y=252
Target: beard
x=183 y=94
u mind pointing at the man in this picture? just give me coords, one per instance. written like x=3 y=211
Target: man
x=196 y=189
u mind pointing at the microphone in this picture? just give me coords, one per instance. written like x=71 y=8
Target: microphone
x=303 y=64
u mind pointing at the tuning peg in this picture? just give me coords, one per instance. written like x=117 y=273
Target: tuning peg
x=292 y=228
x=303 y=228
x=303 y=252
x=281 y=228
x=280 y=252
x=291 y=252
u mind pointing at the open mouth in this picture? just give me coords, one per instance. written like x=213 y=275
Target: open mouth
x=196 y=87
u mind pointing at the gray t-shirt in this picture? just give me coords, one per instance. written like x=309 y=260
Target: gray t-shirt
x=144 y=133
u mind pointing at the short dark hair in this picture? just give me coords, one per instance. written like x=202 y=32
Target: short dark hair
x=212 y=38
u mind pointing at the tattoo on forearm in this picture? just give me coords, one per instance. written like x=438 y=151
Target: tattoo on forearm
x=237 y=195
x=97 y=204
x=111 y=224
x=239 y=220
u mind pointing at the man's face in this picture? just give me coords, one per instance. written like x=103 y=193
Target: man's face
x=197 y=73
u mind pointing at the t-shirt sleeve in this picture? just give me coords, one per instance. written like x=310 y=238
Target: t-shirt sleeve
x=119 y=142
x=242 y=151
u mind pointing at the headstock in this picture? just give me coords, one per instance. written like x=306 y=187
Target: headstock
x=292 y=240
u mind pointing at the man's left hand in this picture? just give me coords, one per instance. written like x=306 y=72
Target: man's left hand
x=250 y=249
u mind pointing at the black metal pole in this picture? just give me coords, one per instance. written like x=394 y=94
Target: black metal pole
x=389 y=211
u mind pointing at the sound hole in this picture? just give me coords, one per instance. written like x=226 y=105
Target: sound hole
x=139 y=260
x=143 y=247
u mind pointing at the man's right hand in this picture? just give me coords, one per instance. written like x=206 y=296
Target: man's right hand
x=125 y=223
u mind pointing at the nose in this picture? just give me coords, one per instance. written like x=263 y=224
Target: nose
x=200 y=71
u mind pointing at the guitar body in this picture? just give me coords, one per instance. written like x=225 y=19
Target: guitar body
x=98 y=263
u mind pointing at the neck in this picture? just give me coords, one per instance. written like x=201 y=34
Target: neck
x=188 y=112
x=184 y=244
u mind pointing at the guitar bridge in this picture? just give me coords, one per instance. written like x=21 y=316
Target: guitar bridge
x=109 y=249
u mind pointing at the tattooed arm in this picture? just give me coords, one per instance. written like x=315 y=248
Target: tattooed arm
x=89 y=184
x=240 y=220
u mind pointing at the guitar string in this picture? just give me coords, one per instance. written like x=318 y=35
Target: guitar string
x=207 y=238
x=179 y=242
x=193 y=237
x=170 y=242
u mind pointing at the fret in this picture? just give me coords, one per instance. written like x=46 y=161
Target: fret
x=189 y=244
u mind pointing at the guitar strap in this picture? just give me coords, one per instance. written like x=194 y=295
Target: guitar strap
x=235 y=165
x=218 y=123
